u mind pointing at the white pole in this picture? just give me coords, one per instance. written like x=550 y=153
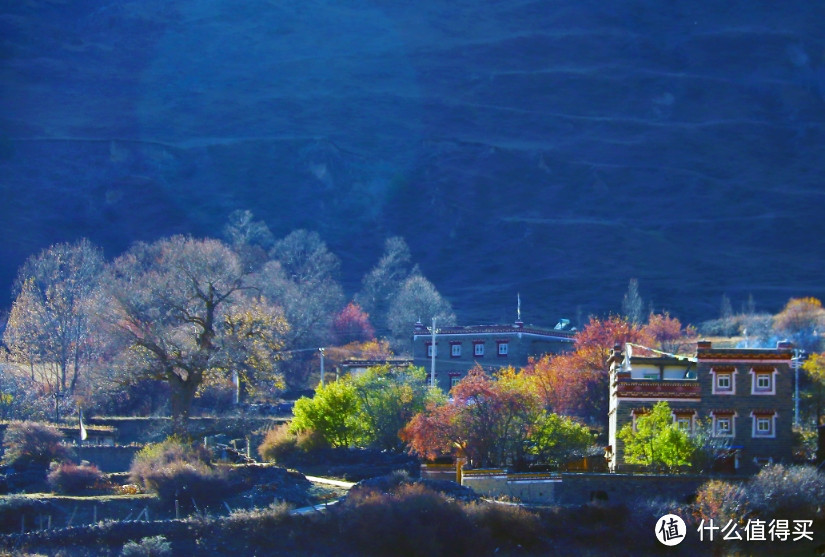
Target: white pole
x=321 y=350
x=795 y=361
x=432 y=358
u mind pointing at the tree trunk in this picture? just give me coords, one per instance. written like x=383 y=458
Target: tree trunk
x=182 y=394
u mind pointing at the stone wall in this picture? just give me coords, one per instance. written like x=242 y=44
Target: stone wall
x=108 y=459
x=582 y=488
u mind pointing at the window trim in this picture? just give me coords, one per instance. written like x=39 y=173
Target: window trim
x=756 y=375
x=453 y=352
x=682 y=415
x=729 y=416
x=506 y=345
x=756 y=418
x=717 y=374
x=478 y=348
x=430 y=349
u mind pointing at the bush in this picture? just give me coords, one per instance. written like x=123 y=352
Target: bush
x=72 y=479
x=32 y=444
x=156 y=546
x=792 y=491
x=506 y=523
x=177 y=470
x=278 y=443
x=720 y=501
x=414 y=520
x=776 y=491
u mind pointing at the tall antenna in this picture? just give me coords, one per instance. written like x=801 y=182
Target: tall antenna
x=518 y=311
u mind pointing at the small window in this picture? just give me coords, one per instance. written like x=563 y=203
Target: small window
x=503 y=348
x=454 y=380
x=685 y=423
x=763 y=425
x=455 y=350
x=763 y=384
x=723 y=426
x=723 y=381
x=430 y=350
x=478 y=349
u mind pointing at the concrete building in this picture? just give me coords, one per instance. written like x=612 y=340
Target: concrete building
x=459 y=349
x=744 y=395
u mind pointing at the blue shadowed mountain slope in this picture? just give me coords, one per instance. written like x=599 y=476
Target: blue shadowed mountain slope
x=552 y=148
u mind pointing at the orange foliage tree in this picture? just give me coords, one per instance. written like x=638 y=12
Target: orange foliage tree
x=801 y=321
x=576 y=383
x=487 y=419
x=668 y=334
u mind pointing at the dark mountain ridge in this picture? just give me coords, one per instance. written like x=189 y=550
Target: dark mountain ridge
x=555 y=149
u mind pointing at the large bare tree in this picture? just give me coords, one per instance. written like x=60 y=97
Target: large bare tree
x=181 y=309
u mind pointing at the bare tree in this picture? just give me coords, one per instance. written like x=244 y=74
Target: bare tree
x=302 y=280
x=632 y=303
x=181 y=309
x=50 y=322
x=380 y=286
x=249 y=238
x=417 y=298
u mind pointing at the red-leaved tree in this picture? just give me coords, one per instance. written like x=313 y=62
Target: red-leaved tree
x=487 y=420
x=352 y=325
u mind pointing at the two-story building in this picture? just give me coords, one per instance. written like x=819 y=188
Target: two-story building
x=743 y=395
x=459 y=349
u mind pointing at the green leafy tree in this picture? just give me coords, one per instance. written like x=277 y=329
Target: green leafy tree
x=332 y=413
x=388 y=398
x=555 y=439
x=657 y=442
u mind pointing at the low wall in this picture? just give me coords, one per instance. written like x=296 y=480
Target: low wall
x=108 y=458
x=154 y=429
x=529 y=488
x=581 y=488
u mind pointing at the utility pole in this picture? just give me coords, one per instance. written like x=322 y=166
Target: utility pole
x=432 y=357
x=797 y=356
x=321 y=350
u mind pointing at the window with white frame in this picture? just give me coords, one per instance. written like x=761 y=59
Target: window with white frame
x=763 y=381
x=455 y=350
x=430 y=350
x=503 y=348
x=454 y=379
x=478 y=349
x=724 y=425
x=764 y=425
x=684 y=421
x=723 y=381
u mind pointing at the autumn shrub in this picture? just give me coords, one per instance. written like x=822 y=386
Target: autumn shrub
x=154 y=546
x=413 y=520
x=175 y=469
x=72 y=479
x=719 y=500
x=278 y=443
x=32 y=444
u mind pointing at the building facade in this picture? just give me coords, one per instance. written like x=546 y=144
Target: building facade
x=459 y=349
x=743 y=395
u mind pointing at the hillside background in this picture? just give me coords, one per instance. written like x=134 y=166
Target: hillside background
x=551 y=148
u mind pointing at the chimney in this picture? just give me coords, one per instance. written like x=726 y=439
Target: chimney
x=703 y=345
